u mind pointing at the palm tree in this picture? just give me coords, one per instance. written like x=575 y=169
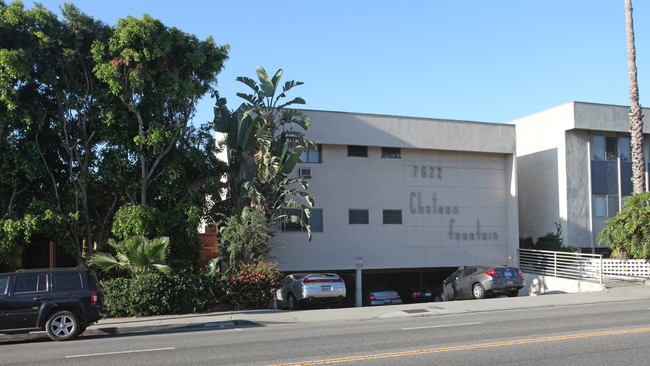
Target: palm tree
x=137 y=255
x=636 y=119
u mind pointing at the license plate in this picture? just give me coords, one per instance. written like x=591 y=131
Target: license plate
x=388 y=301
x=326 y=288
x=509 y=274
x=510 y=282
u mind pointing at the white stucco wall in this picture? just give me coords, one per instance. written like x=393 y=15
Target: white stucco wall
x=458 y=202
x=541 y=164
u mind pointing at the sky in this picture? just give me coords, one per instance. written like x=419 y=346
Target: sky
x=475 y=60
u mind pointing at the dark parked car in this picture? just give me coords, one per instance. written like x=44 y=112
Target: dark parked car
x=378 y=294
x=61 y=301
x=477 y=282
x=299 y=288
x=416 y=292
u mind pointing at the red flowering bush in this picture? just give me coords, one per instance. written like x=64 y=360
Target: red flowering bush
x=252 y=285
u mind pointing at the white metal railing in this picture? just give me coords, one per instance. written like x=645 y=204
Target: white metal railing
x=561 y=264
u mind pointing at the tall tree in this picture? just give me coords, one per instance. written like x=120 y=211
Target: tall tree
x=158 y=74
x=264 y=140
x=636 y=119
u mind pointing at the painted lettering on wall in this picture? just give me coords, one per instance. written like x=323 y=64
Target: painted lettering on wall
x=427 y=171
x=421 y=205
x=476 y=235
x=430 y=207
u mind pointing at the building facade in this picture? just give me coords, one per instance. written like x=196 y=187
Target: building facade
x=574 y=169
x=400 y=193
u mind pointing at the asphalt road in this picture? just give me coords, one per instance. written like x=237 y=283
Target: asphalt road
x=594 y=334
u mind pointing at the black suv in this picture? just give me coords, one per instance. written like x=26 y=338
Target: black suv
x=63 y=301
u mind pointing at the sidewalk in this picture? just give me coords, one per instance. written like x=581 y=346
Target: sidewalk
x=616 y=292
x=629 y=292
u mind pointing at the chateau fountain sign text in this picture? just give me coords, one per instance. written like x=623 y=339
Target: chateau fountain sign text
x=420 y=204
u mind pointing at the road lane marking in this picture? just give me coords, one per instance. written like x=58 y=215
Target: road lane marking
x=466 y=347
x=121 y=352
x=442 y=326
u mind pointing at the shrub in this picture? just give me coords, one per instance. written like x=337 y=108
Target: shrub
x=628 y=233
x=158 y=294
x=253 y=285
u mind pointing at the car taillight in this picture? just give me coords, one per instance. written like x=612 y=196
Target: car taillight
x=94 y=299
x=416 y=294
x=372 y=297
x=491 y=273
x=398 y=297
x=310 y=280
x=519 y=272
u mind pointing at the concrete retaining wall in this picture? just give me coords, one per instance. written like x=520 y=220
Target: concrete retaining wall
x=538 y=285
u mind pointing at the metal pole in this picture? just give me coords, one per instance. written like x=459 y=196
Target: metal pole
x=358 y=296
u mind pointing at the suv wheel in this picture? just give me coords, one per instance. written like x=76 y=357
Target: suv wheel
x=292 y=303
x=62 y=325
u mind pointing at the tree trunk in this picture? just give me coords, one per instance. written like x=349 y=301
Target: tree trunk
x=636 y=119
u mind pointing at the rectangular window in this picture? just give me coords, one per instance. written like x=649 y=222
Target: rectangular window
x=624 y=151
x=598 y=148
x=393 y=217
x=316 y=220
x=611 y=151
x=612 y=206
x=391 y=153
x=66 y=281
x=312 y=155
x=291 y=219
x=605 y=206
x=291 y=222
x=4 y=282
x=355 y=150
x=30 y=283
x=357 y=216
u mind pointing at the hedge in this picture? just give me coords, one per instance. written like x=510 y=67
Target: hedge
x=252 y=286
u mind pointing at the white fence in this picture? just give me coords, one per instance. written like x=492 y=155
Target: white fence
x=626 y=268
x=561 y=264
x=581 y=266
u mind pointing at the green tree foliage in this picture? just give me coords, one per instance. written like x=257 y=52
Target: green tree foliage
x=158 y=74
x=549 y=241
x=628 y=233
x=93 y=118
x=137 y=255
x=264 y=140
x=245 y=238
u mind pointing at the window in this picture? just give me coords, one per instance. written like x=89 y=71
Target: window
x=610 y=148
x=624 y=151
x=312 y=155
x=31 y=283
x=605 y=206
x=393 y=217
x=66 y=281
x=4 y=281
x=391 y=152
x=357 y=216
x=355 y=150
x=293 y=216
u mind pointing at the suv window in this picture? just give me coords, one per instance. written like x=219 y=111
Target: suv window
x=4 y=282
x=30 y=283
x=66 y=281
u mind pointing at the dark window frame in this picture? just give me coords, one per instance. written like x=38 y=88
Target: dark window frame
x=391 y=153
x=359 y=151
x=358 y=216
x=392 y=217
